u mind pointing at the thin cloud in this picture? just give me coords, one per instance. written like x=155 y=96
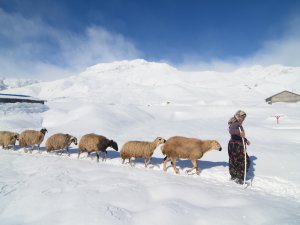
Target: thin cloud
x=96 y=45
x=284 y=51
x=30 y=48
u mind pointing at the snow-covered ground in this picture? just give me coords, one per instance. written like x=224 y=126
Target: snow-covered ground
x=139 y=100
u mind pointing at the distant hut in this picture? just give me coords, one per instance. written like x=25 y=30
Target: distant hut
x=13 y=98
x=284 y=96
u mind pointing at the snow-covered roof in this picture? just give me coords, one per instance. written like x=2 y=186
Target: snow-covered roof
x=281 y=93
x=284 y=96
x=12 y=98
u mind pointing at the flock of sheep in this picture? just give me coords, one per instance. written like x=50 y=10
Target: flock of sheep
x=174 y=148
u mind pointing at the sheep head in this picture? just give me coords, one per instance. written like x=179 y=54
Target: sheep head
x=113 y=145
x=16 y=136
x=159 y=140
x=216 y=145
x=43 y=131
x=74 y=140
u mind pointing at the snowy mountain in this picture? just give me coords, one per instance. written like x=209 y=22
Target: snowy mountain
x=140 y=100
x=15 y=83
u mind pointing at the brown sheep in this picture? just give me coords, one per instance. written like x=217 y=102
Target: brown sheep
x=95 y=143
x=187 y=148
x=60 y=142
x=140 y=149
x=32 y=137
x=8 y=138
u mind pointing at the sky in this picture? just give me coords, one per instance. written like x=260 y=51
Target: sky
x=49 y=39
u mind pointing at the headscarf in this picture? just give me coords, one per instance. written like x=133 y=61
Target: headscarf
x=239 y=115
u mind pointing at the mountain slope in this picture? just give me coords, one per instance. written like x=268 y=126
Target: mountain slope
x=139 y=100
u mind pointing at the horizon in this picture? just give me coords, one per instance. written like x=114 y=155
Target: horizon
x=55 y=39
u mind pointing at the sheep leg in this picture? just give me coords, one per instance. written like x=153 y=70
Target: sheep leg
x=97 y=153
x=68 y=151
x=104 y=156
x=32 y=147
x=79 y=152
x=39 y=149
x=147 y=160
x=174 y=165
x=166 y=159
x=130 y=163
x=195 y=166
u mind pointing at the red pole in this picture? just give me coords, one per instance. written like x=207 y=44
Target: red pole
x=277 y=118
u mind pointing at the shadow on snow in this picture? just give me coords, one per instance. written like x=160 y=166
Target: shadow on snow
x=156 y=162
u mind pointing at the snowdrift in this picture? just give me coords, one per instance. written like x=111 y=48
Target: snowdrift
x=140 y=100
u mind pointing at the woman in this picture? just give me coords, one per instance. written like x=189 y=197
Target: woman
x=236 y=149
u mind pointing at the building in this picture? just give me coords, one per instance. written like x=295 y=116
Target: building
x=284 y=96
x=13 y=98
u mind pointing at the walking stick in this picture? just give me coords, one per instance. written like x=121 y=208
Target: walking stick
x=245 y=153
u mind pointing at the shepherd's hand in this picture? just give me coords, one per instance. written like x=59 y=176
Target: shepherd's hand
x=242 y=134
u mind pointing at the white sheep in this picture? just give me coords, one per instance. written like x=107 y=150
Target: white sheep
x=187 y=148
x=95 y=143
x=32 y=137
x=8 y=138
x=60 y=141
x=140 y=149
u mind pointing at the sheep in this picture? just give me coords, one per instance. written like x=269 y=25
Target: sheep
x=8 y=138
x=95 y=143
x=187 y=148
x=60 y=142
x=140 y=149
x=32 y=137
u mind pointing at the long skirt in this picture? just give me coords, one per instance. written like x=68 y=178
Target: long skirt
x=237 y=160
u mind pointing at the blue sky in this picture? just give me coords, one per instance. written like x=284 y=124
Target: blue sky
x=41 y=38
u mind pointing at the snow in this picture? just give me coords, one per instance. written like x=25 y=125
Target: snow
x=140 y=100
x=15 y=83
